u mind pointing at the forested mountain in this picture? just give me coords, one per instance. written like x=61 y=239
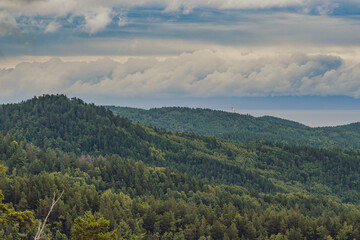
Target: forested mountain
x=153 y=184
x=243 y=127
x=73 y=126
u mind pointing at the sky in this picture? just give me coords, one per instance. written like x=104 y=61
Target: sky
x=280 y=55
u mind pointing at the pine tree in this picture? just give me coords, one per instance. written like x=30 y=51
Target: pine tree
x=90 y=227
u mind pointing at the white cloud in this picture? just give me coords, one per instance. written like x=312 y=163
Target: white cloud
x=52 y=27
x=199 y=74
x=97 y=13
x=8 y=24
x=122 y=19
x=97 y=21
x=62 y=7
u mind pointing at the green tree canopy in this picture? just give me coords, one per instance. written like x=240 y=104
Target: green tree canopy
x=25 y=218
x=90 y=227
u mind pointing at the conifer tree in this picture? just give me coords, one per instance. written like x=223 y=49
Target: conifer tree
x=90 y=227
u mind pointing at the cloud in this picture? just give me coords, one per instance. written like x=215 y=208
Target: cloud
x=52 y=27
x=64 y=7
x=176 y=5
x=161 y=37
x=122 y=19
x=198 y=74
x=97 y=21
x=8 y=25
x=98 y=15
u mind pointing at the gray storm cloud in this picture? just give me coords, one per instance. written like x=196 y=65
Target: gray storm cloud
x=202 y=73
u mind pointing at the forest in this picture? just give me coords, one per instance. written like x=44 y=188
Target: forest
x=125 y=180
x=242 y=128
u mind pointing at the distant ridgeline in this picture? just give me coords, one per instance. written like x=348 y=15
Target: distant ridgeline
x=149 y=183
x=243 y=128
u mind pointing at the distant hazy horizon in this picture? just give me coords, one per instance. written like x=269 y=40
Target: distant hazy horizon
x=311 y=118
x=312 y=111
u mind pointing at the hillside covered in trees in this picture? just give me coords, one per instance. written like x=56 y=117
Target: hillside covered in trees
x=146 y=183
x=243 y=128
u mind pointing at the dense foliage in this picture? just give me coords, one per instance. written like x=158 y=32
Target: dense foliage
x=10 y=216
x=70 y=125
x=147 y=183
x=142 y=202
x=91 y=228
x=243 y=127
x=58 y=122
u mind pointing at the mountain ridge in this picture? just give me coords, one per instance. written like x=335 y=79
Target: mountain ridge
x=154 y=184
x=242 y=128
x=54 y=121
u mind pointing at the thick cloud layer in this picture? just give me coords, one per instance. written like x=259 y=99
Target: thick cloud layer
x=199 y=74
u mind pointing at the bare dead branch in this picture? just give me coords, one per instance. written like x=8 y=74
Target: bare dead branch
x=41 y=227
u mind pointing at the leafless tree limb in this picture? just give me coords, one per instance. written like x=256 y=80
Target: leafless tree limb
x=41 y=227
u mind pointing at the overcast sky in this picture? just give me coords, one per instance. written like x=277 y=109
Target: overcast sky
x=175 y=51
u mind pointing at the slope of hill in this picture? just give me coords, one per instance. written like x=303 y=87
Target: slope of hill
x=283 y=121
x=74 y=126
x=154 y=184
x=243 y=127
x=143 y=202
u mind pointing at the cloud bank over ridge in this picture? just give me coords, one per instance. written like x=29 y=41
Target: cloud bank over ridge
x=202 y=73
x=179 y=48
